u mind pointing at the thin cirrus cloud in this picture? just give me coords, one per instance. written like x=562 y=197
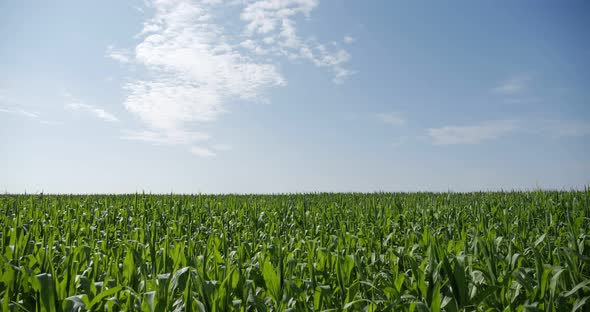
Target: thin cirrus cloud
x=195 y=67
x=559 y=129
x=179 y=137
x=20 y=112
x=472 y=134
x=75 y=104
x=512 y=86
x=210 y=152
x=95 y=111
x=15 y=111
x=28 y=114
x=496 y=129
x=394 y=119
x=202 y=151
x=222 y=147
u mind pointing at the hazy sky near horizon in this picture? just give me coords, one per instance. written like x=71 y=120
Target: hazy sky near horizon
x=273 y=96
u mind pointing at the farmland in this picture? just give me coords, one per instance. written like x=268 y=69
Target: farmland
x=504 y=251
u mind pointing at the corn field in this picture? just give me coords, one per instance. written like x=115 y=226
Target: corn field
x=504 y=251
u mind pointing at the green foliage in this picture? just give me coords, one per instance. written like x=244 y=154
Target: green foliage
x=527 y=251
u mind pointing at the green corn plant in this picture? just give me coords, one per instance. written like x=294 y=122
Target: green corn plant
x=485 y=251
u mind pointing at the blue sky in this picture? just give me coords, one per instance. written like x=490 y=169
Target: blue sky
x=293 y=96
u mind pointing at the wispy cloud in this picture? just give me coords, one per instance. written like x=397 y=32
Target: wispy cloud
x=202 y=151
x=97 y=112
x=33 y=115
x=512 y=86
x=275 y=22
x=122 y=56
x=164 y=138
x=490 y=130
x=348 y=39
x=222 y=147
x=395 y=119
x=472 y=134
x=20 y=112
x=521 y=100
x=51 y=122
x=560 y=128
x=17 y=110
x=196 y=67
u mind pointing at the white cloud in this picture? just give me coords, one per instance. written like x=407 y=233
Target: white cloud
x=202 y=151
x=20 y=112
x=265 y=16
x=122 y=56
x=97 y=112
x=167 y=105
x=252 y=46
x=28 y=114
x=275 y=20
x=222 y=147
x=164 y=138
x=514 y=85
x=395 y=119
x=195 y=71
x=100 y=113
x=473 y=134
x=195 y=67
x=51 y=122
x=561 y=128
x=521 y=100
x=248 y=44
x=348 y=39
x=490 y=130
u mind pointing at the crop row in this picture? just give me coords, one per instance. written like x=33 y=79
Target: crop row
x=505 y=251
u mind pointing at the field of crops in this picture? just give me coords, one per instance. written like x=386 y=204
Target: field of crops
x=307 y=252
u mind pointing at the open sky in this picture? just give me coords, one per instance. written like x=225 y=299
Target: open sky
x=272 y=96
